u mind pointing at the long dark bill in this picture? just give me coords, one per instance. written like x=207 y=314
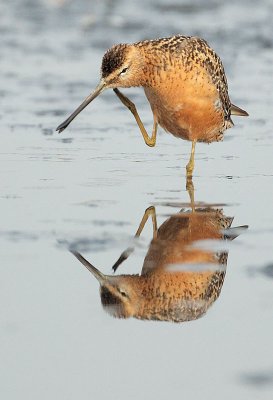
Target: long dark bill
x=101 y=86
x=94 y=271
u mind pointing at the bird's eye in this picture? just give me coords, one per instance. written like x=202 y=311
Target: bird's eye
x=124 y=71
x=123 y=293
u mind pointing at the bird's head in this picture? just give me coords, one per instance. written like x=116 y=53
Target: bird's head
x=120 y=296
x=121 y=67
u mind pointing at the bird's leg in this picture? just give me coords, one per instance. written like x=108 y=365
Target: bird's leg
x=150 y=211
x=190 y=190
x=150 y=141
x=190 y=165
x=125 y=254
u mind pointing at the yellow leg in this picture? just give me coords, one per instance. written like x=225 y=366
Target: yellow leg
x=190 y=190
x=150 y=141
x=148 y=212
x=190 y=165
x=125 y=254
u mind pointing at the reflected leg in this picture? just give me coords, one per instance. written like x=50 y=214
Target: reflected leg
x=149 y=212
x=125 y=254
x=190 y=165
x=190 y=190
x=150 y=141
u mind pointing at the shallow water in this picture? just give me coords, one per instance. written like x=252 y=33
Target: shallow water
x=89 y=187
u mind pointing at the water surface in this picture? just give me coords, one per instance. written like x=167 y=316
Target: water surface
x=88 y=188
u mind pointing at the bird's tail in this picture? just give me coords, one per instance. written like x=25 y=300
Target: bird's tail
x=238 y=111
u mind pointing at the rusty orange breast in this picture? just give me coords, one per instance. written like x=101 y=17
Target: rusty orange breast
x=186 y=103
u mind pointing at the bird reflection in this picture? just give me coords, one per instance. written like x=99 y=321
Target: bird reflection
x=180 y=279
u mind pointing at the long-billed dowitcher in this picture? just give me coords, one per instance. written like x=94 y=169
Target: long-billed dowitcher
x=184 y=81
x=171 y=287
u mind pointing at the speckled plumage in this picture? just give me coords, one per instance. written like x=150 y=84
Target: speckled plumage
x=165 y=290
x=184 y=81
x=113 y=59
x=175 y=65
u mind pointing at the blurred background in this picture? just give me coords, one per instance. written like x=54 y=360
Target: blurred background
x=89 y=186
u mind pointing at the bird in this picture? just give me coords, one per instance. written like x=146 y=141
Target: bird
x=179 y=280
x=184 y=81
